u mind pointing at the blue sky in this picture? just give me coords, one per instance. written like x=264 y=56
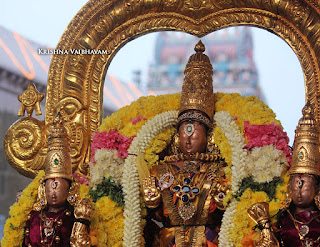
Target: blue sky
x=279 y=70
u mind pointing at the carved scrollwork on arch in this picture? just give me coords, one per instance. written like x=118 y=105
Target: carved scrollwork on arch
x=110 y=24
x=25 y=147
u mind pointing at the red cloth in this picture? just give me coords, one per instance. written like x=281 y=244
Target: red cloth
x=289 y=233
x=63 y=231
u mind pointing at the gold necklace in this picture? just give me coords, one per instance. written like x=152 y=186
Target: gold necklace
x=50 y=226
x=194 y=156
x=304 y=230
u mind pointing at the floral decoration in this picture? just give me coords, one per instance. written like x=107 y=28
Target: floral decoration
x=13 y=232
x=255 y=177
x=144 y=121
x=106 y=164
x=107 y=222
x=107 y=188
x=111 y=140
x=262 y=135
x=265 y=163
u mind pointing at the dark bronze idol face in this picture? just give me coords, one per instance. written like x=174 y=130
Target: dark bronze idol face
x=193 y=137
x=303 y=189
x=57 y=193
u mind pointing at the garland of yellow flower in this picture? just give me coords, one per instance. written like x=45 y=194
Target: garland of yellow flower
x=14 y=227
x=241 y=108
x=108 y=222
x=13 y=232
x=147 y=107
x=242 y=224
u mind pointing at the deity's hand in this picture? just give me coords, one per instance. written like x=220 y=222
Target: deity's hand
x=151 y=194
x=79 y=236
x=83 y=213
x=84 y=209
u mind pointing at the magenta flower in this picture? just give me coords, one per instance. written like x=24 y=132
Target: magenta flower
x=261 y=135
x=81 y=179
x=111 y=140
x=136 y=120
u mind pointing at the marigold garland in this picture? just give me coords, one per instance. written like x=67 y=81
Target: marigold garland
x=146 y=107
x=130 y=119
x=14 y=227
x=238 y=225
x=107 y=222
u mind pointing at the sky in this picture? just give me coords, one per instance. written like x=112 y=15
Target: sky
x=279 y=70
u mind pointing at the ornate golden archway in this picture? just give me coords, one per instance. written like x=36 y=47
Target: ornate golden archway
x=75 y=82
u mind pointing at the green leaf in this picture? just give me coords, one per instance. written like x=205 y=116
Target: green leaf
x=268 y=187
x=108 y=188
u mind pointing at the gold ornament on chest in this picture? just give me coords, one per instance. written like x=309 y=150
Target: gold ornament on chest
x=186 y=186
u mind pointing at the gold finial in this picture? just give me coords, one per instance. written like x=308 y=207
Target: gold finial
x=306 y=156
x=58 y=160
x=197 y=98
x=30 y=100
x=200 y=47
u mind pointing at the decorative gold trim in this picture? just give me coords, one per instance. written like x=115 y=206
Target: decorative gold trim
x=110 y=24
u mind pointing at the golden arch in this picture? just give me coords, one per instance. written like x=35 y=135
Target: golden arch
x=75 y=81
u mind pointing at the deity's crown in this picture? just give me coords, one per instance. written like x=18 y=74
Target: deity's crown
x=58 y=161
x=197 y=98
x=306 y=156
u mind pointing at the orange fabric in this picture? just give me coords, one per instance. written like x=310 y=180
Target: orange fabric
x=210 y=244
x=212 y=206
x=249 y=239
x=165 y=213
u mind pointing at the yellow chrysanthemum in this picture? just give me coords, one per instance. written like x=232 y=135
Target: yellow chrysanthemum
x=108 y=222
x=14 y=226
x=242 y=223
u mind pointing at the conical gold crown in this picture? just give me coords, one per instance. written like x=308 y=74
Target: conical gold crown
x=305 y=156
x=58 y=160
x=197 y=89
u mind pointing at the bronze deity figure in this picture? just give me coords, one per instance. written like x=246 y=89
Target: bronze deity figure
x=58 y=218
x=185 y=191
x=298 y=223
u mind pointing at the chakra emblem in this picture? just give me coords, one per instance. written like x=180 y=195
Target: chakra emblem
x=189 y=129
x=221 y=196
x=166 y=180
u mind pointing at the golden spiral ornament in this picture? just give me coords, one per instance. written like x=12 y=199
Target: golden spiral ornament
x=24 y=141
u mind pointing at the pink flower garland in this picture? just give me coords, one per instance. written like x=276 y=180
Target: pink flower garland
x=111 y=140
x=261 y=135
x=136 y=120
x=81 y=179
